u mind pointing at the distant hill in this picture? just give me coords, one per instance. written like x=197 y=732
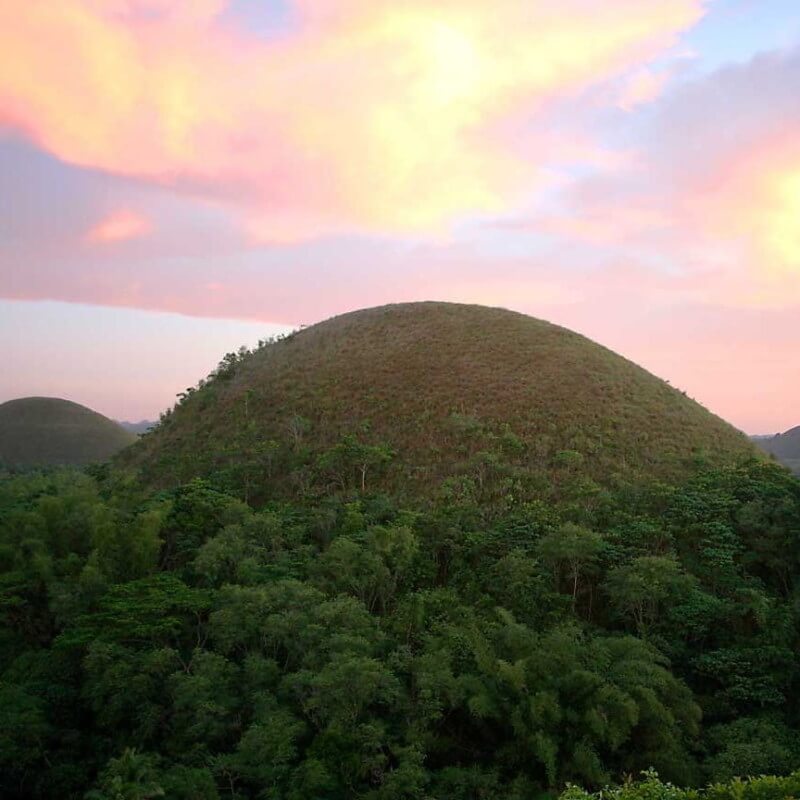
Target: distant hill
x=47 y=431
x=785 y=447
x=452 y=389
x=137 y=427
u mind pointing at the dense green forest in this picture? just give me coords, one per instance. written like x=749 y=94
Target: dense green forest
x=185 y=644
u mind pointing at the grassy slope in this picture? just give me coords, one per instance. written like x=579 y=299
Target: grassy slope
x=785 y=447
x=405 y=370
x=43 y=431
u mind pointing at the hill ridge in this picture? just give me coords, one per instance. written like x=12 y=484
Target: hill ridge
x=50 y=431
x=441 y=383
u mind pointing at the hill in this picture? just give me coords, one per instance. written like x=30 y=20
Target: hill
x=46 y=431
x=435 y=638
x=785 y=447
x=464 y=396
x=136 y=427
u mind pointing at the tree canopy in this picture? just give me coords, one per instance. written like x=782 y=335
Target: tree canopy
x=186 y=644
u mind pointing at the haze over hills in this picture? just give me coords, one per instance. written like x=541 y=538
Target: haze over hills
x=451 y=389
x=784 y=446
x=137 y=427
x=48 y=431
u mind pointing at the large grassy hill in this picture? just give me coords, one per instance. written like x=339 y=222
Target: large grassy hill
x=785 y=447
x=47 y=431
x=453 y=390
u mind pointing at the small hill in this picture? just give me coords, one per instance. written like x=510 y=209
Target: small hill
x=137 y=427
x=452 y=389
x=47 y=431
x=785 y=447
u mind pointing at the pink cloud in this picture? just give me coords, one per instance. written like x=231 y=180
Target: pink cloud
x=754 y=198
x=670 y=235
x=118 y=227
x=713 y=191
x=608 y=226
x=297 y=130
x=641 y=87
x=666 y=322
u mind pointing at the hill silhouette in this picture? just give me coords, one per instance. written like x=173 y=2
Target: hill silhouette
x=47 y=431
x=451 y=389
x=136 y=427
x=785 y=447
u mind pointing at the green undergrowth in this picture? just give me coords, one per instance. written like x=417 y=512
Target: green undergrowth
x=764 y=787
x=184 y=644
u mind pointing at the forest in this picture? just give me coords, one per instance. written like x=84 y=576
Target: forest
x=183 y=643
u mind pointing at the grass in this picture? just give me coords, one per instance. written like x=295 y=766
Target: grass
x=46 y=431
x=441 y=383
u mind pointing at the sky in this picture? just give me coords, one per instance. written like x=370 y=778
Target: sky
x=181 y=177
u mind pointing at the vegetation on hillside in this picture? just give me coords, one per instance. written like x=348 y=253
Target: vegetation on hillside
x=424 y=552
x=47 y=431
x=768 y=787
x=183 y=644
x=451 y=390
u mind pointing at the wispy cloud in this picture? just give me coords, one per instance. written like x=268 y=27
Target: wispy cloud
x=367 y=115
x=119 y=226
x=560 y=157
x=712 y=189
x=642 y=87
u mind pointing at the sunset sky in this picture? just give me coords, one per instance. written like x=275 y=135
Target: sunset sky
x=180 y=178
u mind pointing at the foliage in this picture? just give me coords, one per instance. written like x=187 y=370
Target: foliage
x=651 y=788
x=185 y=644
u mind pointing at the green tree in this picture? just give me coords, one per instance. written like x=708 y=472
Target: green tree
x=572 y=552
x=639 y=590
x=132 y=776
x=352 y=458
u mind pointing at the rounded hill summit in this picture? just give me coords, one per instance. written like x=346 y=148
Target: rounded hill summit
x=455 y=392
x=49 y=431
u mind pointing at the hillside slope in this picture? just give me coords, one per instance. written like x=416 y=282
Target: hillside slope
x=451 y=389
x=47 y=431
x=785 y=447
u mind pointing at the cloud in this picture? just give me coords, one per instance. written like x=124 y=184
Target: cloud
x=711 y=188
x=755 y=198
x=736 y=178
x=118 y=227
x=365 y=116
x=530 y=155
x=666 y=322
x=642 y=87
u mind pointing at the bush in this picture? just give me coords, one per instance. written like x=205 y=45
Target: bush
x=765 y=787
